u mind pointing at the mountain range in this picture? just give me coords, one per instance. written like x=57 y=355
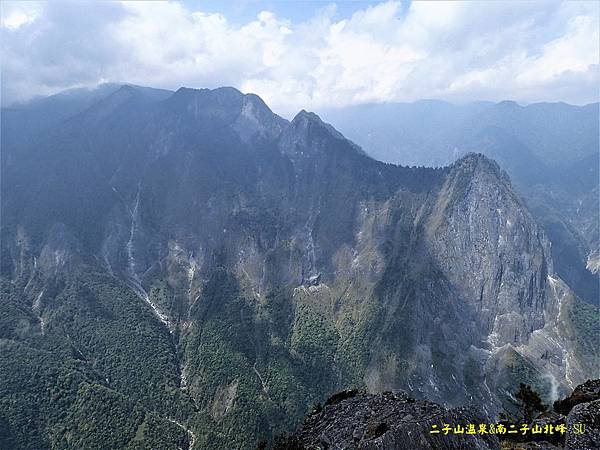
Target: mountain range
x=189 y=270
x=550 y=150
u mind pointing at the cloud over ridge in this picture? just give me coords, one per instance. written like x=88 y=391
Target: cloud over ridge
x=458 y=51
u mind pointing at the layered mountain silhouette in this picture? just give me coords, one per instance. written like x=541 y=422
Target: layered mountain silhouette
x=190 y=270
x=550 y=150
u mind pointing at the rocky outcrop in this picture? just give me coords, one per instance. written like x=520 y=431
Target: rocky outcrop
x=586 y=415
x=584 y=393
x=530 y=446
x=390 y=421
x=579 y=413
x=395 y=421
x=504 y=274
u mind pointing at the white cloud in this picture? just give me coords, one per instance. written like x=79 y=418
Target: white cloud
x=14 y=17
x=450 y=50
x=16 y=20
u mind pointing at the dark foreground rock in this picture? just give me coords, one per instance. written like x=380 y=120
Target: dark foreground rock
x=586 y=392
x=390 y=421
x=543 y=445
x=583 y=426
x=588 y=416
x=353 y=420
x=549 y=418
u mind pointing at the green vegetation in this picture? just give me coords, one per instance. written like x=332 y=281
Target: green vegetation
x=99 y=369
x=585 y=323
x=514 y=371
x=530 y=403
x=314 y=339
x=103 y=372
x=48 y=402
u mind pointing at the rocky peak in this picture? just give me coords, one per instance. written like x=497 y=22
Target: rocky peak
x=586 y=392
x=247 y=114
x=305 y=120
x=308 y=135
x=505 y=278
x=257 y=119
x=223 y=103
x=220 y=102
x=477 y=163
x=306 y=116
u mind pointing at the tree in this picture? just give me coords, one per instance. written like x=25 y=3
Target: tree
x=529 y=402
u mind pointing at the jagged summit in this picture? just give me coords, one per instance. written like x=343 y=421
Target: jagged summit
x=307 y=130
x=224 y=96
x=475 y=158
x=221 y=102
x=394 y=421
x=475 y=162
x=248 y=114
x=306 y=115
x=388 y=421
x=223 y=92
x=304 y=118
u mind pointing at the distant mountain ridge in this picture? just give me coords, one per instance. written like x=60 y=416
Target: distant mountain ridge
x=434 y=133
x=550 y=150
x=191 y=270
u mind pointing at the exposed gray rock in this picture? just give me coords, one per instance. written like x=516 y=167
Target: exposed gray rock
x=314 y=280
x=546 y=420
x=390 y=421
x=588 y=415
x=543 y=445
x=586 y=392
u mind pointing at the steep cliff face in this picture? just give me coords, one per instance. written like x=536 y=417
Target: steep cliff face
x=270 y=263
x=492 y=250
x=560 y=187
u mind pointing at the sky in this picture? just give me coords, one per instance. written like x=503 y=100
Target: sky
x=308 y=54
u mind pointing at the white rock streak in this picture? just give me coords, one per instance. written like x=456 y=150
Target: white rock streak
x=190 y=433
x=133 y=277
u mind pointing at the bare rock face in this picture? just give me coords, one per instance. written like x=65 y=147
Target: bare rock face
x=588 y=415
x=504 y=274
x=582 y=423
x=586 y=392
x=394 y=420
x=529 y=446
x=391 y=421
